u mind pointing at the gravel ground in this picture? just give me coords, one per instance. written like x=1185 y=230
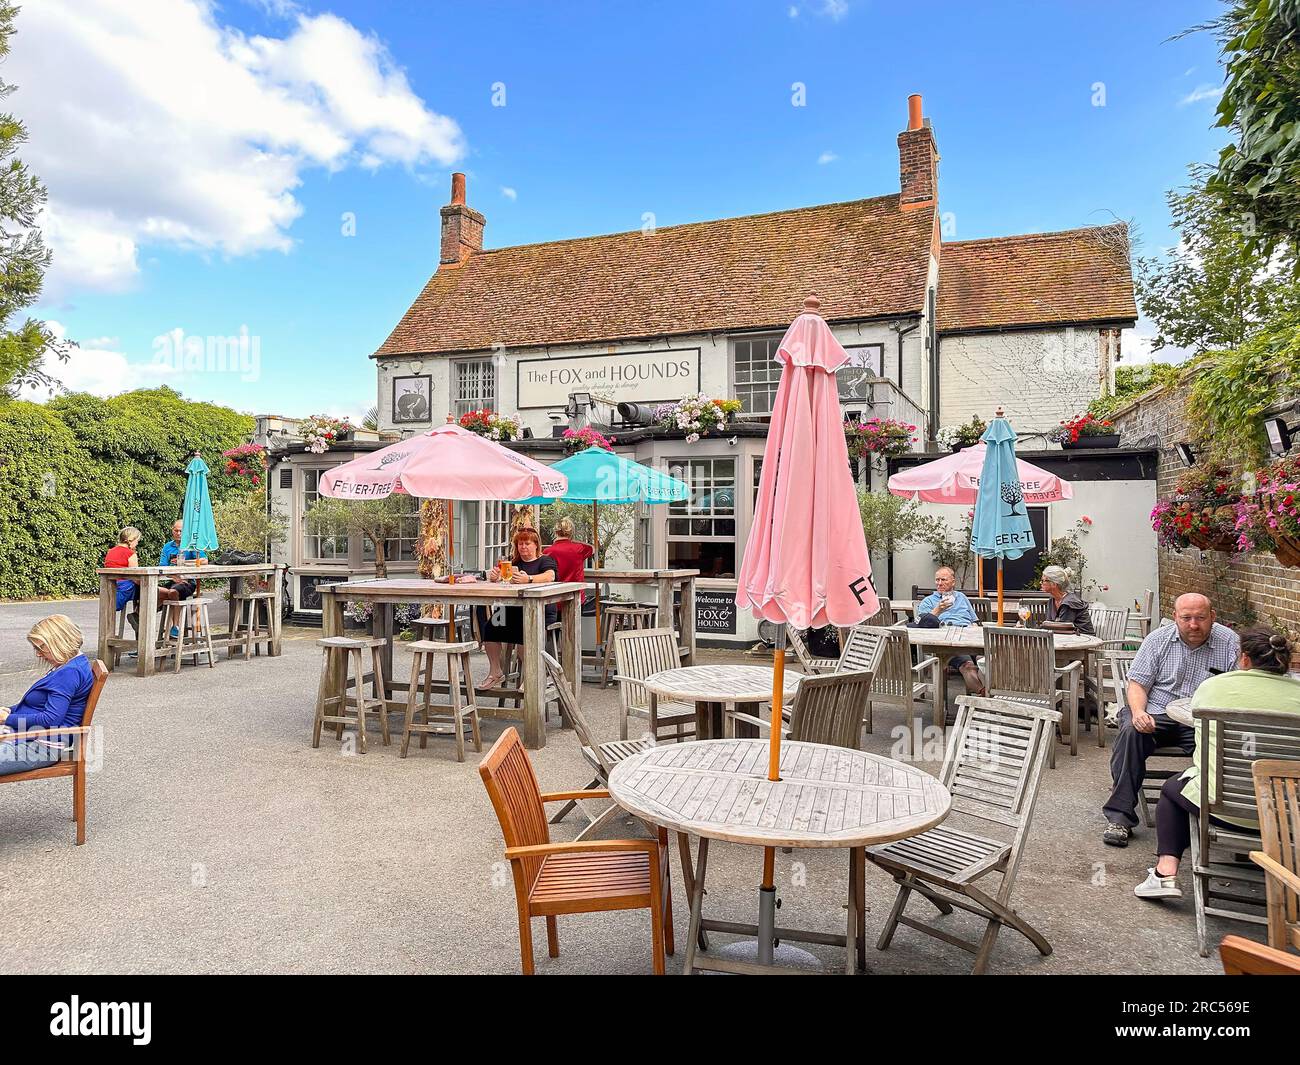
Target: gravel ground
x=219 y=841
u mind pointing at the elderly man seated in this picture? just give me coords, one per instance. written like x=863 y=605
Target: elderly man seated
x=1171 y=664
x=948 y=605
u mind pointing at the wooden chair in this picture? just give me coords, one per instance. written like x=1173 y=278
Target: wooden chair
x=639 y=653
x=1037 y=609
x=1110 y=623
x=1240 y=738
x=887 y=654
x=437 y=717
x=810 y=664
x=1022 y=667
x=73 y=766
x=189 y=616
x=1173 y=760
x=1277 y=796
x=586 y=876
x=1141 y=623
x=993 y=768
x=602 y=757
x=983 y=607
x=828 y=709
x=246 y=628
x=884 y=615
x=620 y=617
x=1114 y=683
x=1245 y=957
x=341 y=654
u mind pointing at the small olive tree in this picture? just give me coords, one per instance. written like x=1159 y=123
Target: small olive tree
x=245 y=523
x=379 y=520
x=617 y=524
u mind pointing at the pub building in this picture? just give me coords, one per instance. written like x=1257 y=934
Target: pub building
x=597 y=331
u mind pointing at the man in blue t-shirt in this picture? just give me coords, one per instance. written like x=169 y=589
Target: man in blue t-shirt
x=948 y=605
x=172 y=556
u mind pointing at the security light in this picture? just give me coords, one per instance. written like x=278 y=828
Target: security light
x=1186 y=453
x=1279 y=435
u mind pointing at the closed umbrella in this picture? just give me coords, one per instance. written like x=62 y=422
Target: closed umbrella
x=806 y=562
x=198 y=528
x=598 y=476
x=1001 y=527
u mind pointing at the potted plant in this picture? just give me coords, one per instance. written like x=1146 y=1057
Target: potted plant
x=697 y=415
x=1269 y=520
x=883 y=437
x=1203 y=512
x=490 y=424
x=1085 y=431
x=956 y=437
x=320 y=431
x=576 y=440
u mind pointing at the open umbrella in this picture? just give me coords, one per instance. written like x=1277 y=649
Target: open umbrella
x=955 y=479
x=198 y=528
x=806 y=562
x=1001 y=527
x=598 y=476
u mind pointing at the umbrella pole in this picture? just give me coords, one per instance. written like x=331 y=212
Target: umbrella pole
x=451 y=563
x=979 y=575
x=999 y=589
x=595 y=558
x=767 y=890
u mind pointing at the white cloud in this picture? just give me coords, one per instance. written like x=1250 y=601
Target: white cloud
x=835 y=9
x=99 y=368
x=827 y=157
x=1136 y=347
x=509 y=193
x=152 y=124
x=1201 y=92
x=794 y=12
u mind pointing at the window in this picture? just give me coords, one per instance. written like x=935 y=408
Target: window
x=866 y=364
x=702 y=529
x=318 y=547
x=757 y=373
x=399 y=548
x=475 y=386
x=496 y=531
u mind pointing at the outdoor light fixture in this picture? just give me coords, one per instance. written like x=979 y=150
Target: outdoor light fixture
x=1186 y=453
x=1279 y=435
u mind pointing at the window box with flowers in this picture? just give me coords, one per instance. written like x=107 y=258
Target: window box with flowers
x=576 y=440
x=697 y=415
x=1085 y=431
x=968 y=434
x=320 y=431
x=490 y=424
x=1269 y=520
x=879 y=437
x=1203 y=512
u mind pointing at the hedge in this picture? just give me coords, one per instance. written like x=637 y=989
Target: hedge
x=75 y=470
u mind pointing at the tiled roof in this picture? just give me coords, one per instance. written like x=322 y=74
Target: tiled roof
x=865 y=259
x=1079 y=275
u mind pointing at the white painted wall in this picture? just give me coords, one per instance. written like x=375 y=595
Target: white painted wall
x=1120 y=546
x=1038 y=377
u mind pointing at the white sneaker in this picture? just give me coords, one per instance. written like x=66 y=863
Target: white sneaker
x=1156 y=886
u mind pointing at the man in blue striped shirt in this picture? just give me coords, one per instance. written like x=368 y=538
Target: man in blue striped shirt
x=1171 y=663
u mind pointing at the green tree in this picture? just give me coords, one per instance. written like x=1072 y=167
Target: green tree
x=617 y=526
x=24 y=258
x=378 y=520
x=1133 y=381
x=892 y=522
x=244 y=523
x=1212 y=290
x=1258 y=175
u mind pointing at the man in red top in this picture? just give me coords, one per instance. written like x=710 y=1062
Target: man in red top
x=570 y=555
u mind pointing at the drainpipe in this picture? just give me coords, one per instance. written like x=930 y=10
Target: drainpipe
x=902 y=333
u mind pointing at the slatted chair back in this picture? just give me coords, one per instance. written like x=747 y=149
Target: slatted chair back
x=1120 y=663
x=1240 y=739
x=868 y=647
x=884 y=614
x=639 y=653
x=995 y=759
x=829 y=709
x=512 y=786
x=1037 y=609
x=1277 y=796
x=1021 y=664
x=570 y=711
x=1110 y=623
x=808 y=662
x=1150 y=605
x=983 y=607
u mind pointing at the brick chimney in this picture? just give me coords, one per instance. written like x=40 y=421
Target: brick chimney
x=462 y=226
x=918 y=160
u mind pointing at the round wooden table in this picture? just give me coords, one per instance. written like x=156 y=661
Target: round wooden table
x=711 y=688
x=962 y=639
x=826 y=797
x=1180 y=710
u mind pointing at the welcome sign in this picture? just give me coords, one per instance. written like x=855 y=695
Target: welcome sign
x=635 y=376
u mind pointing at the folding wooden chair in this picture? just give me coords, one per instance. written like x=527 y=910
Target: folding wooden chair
x=578 y=877
x=638 y=653
x=1173 y=760
x=1022 y=667
x=896 y=681
x=810 y=664
x=1277 y=795
x=993 y=769
x=1239 y=738
x=827 y=709
x=1245 y=957
x=74 y=765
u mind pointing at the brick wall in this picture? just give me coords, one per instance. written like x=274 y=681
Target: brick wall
x=1254 y=584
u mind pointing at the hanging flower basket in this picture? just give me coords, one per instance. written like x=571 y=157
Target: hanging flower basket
x=1269 y=520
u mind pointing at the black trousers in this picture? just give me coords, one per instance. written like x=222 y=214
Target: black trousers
x=1128 y=762
x=1173 y=819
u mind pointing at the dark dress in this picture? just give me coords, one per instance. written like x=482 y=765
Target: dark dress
x=1074 y=611
x=512 y=631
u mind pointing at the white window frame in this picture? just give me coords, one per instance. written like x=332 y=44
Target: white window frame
x=674 y=513
x=771 y=375
x=486 y=396
x=312 y=474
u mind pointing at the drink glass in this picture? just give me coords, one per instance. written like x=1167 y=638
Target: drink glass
x=506 y=569
x=1024 y=614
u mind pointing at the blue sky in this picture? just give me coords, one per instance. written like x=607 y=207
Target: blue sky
x=211 y=192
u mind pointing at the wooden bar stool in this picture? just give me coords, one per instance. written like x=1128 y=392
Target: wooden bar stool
x=437 y=716
x=246 y=610
x=189 y=616
x=345 y=652
x=618 y=618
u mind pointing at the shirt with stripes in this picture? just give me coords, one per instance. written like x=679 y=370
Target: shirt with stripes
x=1169 y=669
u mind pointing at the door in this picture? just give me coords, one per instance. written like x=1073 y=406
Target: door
x=1019 y=572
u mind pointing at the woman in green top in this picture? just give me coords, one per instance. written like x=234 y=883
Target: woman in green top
x=1259 y=683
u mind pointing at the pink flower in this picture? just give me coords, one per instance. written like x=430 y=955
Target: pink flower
x=1086 y=520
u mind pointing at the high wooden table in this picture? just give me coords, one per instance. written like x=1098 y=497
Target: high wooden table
x=666 y=582
x=531 y=598
x=145 y=642
x=826 y=797
x=712 y=688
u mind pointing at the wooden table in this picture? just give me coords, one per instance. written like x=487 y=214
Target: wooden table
x=531 y=598
x=711 y=688
x=964 y=639
x=826 y=797
x=1180 y=710
x=666 y=583
x=145 y=641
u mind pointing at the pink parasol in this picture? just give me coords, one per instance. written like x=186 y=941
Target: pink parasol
x=806 y=562
x=956 y=479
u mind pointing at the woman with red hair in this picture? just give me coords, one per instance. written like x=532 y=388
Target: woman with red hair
x=506 y=624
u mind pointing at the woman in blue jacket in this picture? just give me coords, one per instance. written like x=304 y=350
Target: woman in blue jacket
x=56 y=700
